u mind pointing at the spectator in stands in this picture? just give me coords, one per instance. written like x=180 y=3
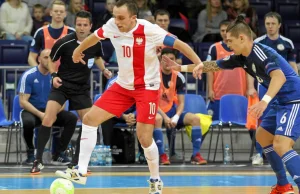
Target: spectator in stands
x=242 y=7
x=15 y=20
x=174 y=116
x=162 y=18
x=144 y=11
x=45 y=37
x=74 y=7
x=285 y=48
x=45 y=3
x=208 y=22
x=34 y=88
x=38 y=18
x=104 y=17
x=221 y=82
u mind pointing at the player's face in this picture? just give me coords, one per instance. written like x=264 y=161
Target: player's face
x=172 y=57
x=223 y=32
x=238 y=4
x=83 y=27
x=235 y=44
x=44 y=58
x=124 y=20
x=272 y=25
x=58 y=13
x=110 y=5
x=163 y=21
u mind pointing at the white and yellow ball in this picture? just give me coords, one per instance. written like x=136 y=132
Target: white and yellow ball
x=62 y=186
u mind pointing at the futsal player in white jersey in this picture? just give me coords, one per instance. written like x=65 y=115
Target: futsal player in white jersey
x=135 y=41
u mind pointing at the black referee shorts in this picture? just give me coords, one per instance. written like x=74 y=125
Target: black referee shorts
x=78 y=95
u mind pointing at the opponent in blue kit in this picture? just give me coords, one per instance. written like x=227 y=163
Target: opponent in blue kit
x=280 y=128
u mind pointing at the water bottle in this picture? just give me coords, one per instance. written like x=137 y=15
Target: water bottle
x=104 y=155
x=100 y=155
x=94 y=157
x=226 y=155
x=108 y=157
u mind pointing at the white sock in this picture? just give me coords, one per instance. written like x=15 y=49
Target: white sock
x=152 y=157
x=87 y=144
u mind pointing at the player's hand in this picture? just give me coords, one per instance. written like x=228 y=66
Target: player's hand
x=57 y=82
x=211 y=95
x=78 y=57
x=257 y=110
x=167 y=122
x=251 y=92
x=197 y=71
x=107 y=73
x=170 y=63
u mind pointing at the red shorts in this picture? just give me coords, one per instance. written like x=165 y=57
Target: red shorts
x=117 y=100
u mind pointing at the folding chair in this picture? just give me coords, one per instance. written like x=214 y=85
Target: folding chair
x=233 y=112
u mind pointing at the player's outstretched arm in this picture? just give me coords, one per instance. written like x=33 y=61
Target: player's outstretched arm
x=208 y=66
x=91 y=40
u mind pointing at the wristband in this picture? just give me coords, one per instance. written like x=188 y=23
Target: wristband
x=53 y=75
x=175 y=119
x=184 y=68
x=267 y=99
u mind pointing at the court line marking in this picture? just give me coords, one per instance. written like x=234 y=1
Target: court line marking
x=6 y=175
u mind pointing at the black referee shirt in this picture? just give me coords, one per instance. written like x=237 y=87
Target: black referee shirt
x=69 y=71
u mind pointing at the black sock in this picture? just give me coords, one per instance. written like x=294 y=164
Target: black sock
x=42 y=139
x=76 y=155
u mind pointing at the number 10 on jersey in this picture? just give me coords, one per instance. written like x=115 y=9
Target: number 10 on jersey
x=126 y=51
x=152 y=108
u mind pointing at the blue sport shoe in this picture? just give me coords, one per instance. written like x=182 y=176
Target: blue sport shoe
x=60 y=159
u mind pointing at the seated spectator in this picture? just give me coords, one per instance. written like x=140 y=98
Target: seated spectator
x=34 y=88
x=162 y=18
x=144 y=11
x=173 y=115
x=45 y=3
x=38 y=18
x=74 y=7
x=104 y=17
x=208 y=22
x=15 y=20
x=243 y=7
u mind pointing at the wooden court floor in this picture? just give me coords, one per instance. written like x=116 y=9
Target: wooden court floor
x=179 y=179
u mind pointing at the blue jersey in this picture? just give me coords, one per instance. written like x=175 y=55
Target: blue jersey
x=37 y=85
x=282 y=45
x=260 y=63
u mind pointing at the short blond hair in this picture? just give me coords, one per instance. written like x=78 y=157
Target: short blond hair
x=19 y=3
x=58 y=2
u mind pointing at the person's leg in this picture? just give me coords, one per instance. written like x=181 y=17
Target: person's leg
x=29 y=122
x=159 y=140
x=196 y=136
x=288 y=121
x=68 y=121
x=265 y=137
x=107 y=130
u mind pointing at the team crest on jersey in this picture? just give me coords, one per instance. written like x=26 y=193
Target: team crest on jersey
x=280 y=47
x=139 y=40
x=253 y=68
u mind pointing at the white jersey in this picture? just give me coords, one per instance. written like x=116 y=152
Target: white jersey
x=136 y=53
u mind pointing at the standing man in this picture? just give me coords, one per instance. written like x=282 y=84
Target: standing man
x=71 y=82
x=46 y=36
x=279 y=129
x=34 y=88
x=135 y=41
x=285 y=48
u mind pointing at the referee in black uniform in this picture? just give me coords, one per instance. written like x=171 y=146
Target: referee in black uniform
x=71 y=82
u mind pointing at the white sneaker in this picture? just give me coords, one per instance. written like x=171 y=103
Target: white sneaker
x=155 y=186
x=257 y=160
x=72 y=175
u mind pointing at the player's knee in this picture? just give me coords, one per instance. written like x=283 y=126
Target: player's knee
x=49 y=120
x=280 y=146
x=195 y=120
x=145 y=141
x=87 y=119
x=158 y=121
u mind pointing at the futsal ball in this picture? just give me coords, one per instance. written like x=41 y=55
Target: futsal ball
x=62 y=186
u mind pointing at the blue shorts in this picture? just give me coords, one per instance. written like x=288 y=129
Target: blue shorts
x=214 y=109
x=172 y=112
x=283 y=120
